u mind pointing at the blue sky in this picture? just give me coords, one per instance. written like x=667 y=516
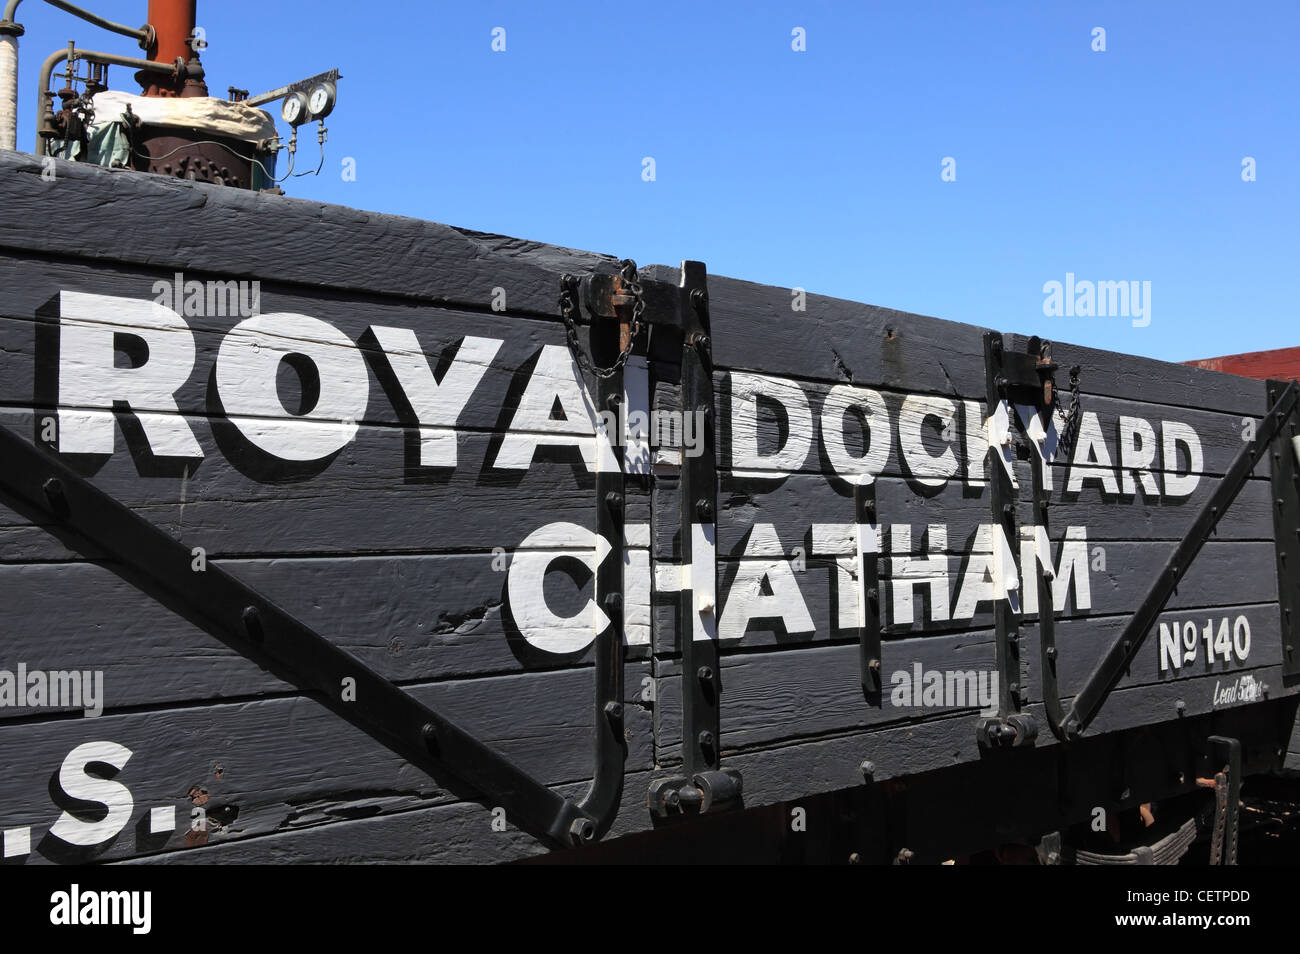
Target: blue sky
x=819 y=168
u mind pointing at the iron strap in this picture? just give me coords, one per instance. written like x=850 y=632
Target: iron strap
x=601 y=801
x=701 y=678
x=87 y=520
x=1004 y=371
x=1122 y=652
x=1284 y=486
x=703 y=785
x=868 y=569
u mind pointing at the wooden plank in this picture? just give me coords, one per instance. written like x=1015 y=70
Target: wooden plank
x=780 y=605
x=792 y=507
x=235 y=501
x=227 y=233
x=1137 y=378
x=30 y=343
x=413 y=618
x=775 y=697
x=284 y=761
x=460 y=833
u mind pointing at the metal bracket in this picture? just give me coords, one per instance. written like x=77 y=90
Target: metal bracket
x=1005 y=372
x=697 y=795
x=1227 y=798
x=601 y=802
x=868 y=566
x=84 y=518
x=1121 y=653
x=1284 y=475
x=701 y=680
x=697 y=618
x=604 y=296
x=1037 y=387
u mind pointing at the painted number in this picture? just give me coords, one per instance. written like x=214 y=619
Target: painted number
x=1223 y=640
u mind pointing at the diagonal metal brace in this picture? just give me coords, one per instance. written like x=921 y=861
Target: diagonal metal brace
x=1121 y=653
x=81 y=515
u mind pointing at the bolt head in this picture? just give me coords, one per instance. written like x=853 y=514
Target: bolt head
x=582 y=830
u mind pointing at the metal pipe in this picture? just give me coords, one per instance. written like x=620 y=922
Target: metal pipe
x=10 y=31
x=45 y=96
x=8 y=89
x=173 y=26
x=9 y=34
x=139 y=34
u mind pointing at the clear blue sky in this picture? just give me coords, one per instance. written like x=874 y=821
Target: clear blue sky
x=820 y=168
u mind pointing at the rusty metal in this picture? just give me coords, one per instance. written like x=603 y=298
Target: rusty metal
x=1167 y=851
x=219 y=160
x=173 y=41
x=45 y=96
x=302 y=86
x=1227 y=798
x=622 y=297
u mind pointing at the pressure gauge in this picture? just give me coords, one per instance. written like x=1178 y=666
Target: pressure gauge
x=295 y=109
x=321 y=101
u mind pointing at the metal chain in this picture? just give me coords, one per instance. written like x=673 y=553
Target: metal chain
x=1065 y=440
x=569 y=307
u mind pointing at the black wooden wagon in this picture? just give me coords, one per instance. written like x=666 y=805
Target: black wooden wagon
x=334 y=536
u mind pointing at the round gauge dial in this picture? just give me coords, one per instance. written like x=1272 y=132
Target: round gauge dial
x=321 y=100
x=295 y=108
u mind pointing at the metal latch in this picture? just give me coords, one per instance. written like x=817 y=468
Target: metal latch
x=701 y=793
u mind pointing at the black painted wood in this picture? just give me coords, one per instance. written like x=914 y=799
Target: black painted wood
x=394 y=562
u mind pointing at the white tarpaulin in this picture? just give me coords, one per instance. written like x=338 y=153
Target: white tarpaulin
x=204 y=113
